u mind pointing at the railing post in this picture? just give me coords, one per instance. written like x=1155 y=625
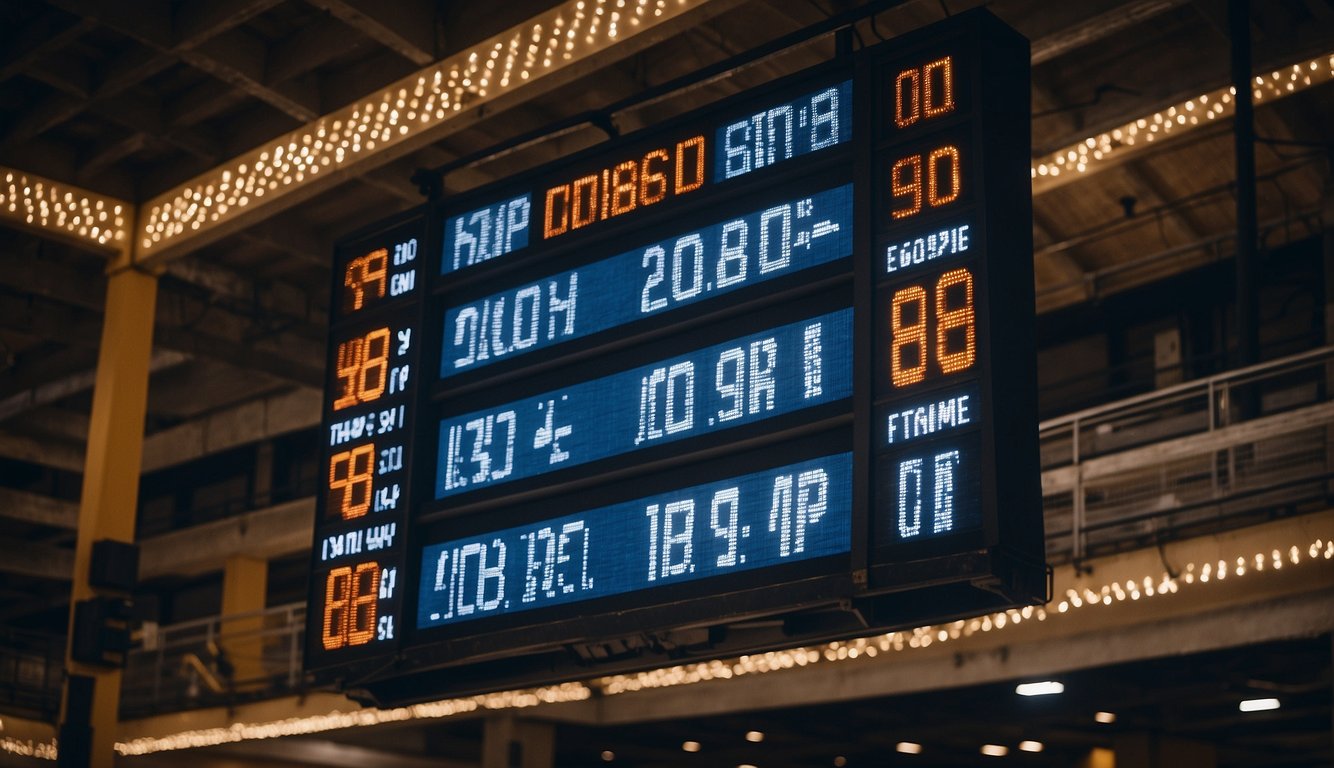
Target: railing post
x=1077 y=501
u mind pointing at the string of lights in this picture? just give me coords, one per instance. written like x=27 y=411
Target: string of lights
x=32 y=200
x=1095 y=152
x=1073 y=600
x=417 y=104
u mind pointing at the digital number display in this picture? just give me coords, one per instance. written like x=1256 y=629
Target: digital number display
x=784 y=131
x=725 y=256
x=792 y=513
x=369 y=411
x=377 y=275
x=746 y=380
x=760 y=363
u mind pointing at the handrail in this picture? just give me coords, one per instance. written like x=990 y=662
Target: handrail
x=1167 y=393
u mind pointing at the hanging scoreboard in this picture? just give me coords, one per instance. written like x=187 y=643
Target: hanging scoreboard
x=772 y=359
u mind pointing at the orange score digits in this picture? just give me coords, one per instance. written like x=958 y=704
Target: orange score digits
x=350 y=593
x=943 y=181
x=949 y=308
x=363 y=368
x=365 y=277
x=924 y=92
x=350 y=481
x=624 y=187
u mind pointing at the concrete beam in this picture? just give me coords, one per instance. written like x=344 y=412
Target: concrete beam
x=39 y=509
x=267 y=533
x=24 y=558
x=246 y=423
x=406 y=27
x=47 y=453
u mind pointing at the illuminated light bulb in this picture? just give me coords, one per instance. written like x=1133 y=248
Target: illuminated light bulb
x=1042 y=688
x=1030 y=746
x=995 y=750
x=1258 y=705
x=754 y=737
x=908 y=748
x=608 y=755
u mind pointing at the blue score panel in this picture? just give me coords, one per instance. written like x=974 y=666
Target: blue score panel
x=649 y=281
x=792 y=513
x=746 y=380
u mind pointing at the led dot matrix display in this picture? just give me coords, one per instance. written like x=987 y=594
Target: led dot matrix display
x=773 y=355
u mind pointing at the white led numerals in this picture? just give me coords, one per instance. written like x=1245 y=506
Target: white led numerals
x=671 y=528
x=666 y=401
x=926 y=484
x=557 y=561
x=798 y=501
x=491 y=438
x=472 y=576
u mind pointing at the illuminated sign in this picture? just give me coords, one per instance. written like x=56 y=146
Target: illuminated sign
x=369 y=410
x=761 y=375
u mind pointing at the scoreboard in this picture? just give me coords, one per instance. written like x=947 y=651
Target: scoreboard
x=758 y=376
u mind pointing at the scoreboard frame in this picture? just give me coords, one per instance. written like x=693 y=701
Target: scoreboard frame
x=874 y=585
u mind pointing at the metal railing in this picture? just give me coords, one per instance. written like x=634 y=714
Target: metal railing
x=1222 y=451
x=1225 y=451
x=216 y=660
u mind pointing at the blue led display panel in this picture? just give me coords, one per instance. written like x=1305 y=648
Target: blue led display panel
x=756 y=377
x=789 y=514
x=691 y=267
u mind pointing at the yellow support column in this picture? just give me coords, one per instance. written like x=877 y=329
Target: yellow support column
x=244 y=583
x=111 y=472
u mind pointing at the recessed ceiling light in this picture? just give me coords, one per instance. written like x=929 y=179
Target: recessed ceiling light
x=608 y=755
x=840 y=761
x=1105 y=717
x=690 y=746
x=1258 y=705
x=909 y=748
x=1043 y=688
x=1030 y=746
x=755 y=737
x=995 y=750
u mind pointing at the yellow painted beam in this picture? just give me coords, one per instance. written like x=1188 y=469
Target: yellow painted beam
x=244 y=582
x=111 y=467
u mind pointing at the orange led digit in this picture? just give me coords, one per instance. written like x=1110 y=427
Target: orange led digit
x=922 y=99
x=905 y=180
x=904 y=118
x=351 y=475
x=624 y=187
x=684 y=184
x=934 y=196
x=913 y=189
x=362 y=367
x=930 y=106
x=374 y=365
x=624 y=181
x=348 y=366
x=964 y=317
x=652 y=177
x=337 y=594
x=365 y=274
x=363 y=592
x=912 y=334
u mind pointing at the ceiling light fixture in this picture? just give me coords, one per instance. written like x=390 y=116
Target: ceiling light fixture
x=754 y=737
x=1043 y=688
x=995 y=750
x=1258 y=705
x=1030 y=746
x=908 y=748
x=1106 y=718
x=690 y=746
